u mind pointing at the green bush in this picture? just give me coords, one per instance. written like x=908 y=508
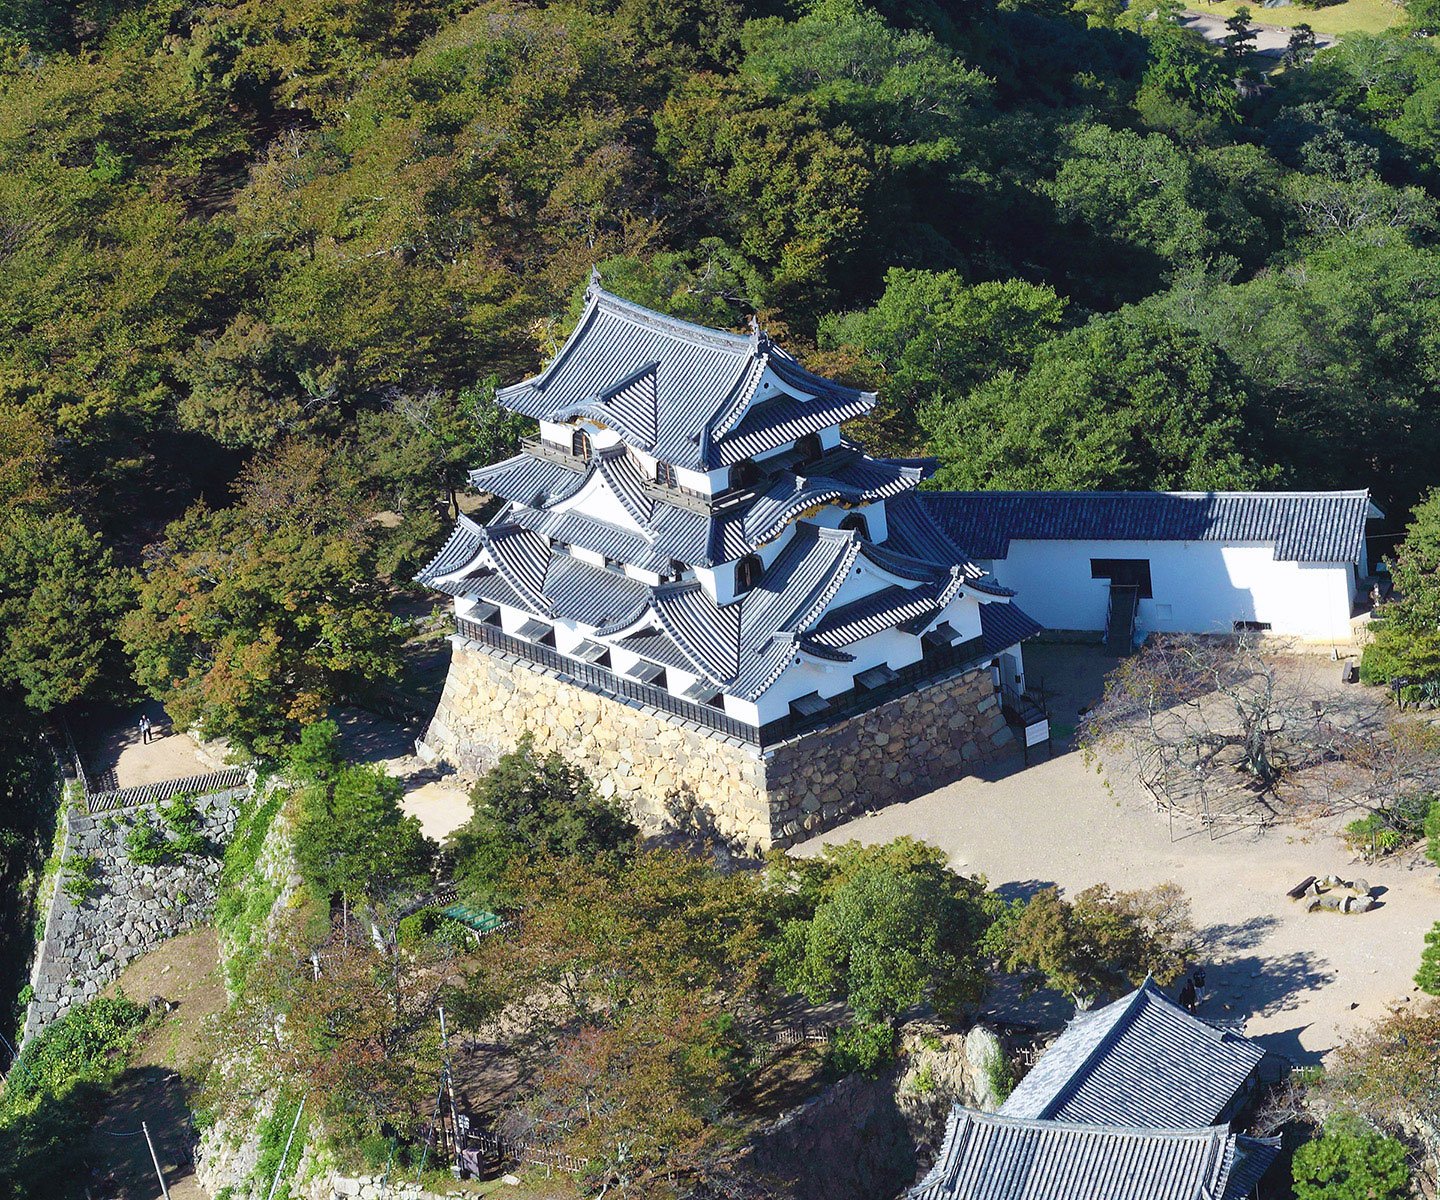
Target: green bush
x=1427 y=978
x=81 y=878
x=1350 y=1161
x=80 y=1045
x=1385 y=831
x=183 y=820
x=245 y=895
x=145 y=844
x=1432 y=832
x=866 y=1047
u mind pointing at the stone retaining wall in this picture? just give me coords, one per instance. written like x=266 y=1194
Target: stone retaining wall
x=133 y=910
x=670 y=773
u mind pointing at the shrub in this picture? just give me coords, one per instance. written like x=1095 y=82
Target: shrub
x=145 y=844
x=1427 y=978
x=182 y=819
x=82 y=1044
x=1350 y=1161
x=1371 y=835
x=81 y=878
x=865 y=1047
x=1432 y=832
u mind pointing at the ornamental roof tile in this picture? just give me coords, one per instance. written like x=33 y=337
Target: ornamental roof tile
x=1141 y=1059
x=989 y=1156
x=847 y=476
x=1309 y=527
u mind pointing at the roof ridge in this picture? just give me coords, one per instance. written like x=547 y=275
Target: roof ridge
x=1044 y=1123
x=692 y=330
x=1348 y=494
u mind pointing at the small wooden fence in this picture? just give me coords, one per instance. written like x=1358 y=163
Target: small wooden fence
x=510 y=1150
x=151 y=793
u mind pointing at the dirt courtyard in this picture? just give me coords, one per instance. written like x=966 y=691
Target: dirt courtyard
x=1299 y=982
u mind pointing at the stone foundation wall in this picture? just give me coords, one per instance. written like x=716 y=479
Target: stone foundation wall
x=672 y=774
x=87 y=943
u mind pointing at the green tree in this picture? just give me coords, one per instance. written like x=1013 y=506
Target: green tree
x=1128 y=401
x=1406 y=642
x=1349 y=1161
x=934 y=337
x=882 y=928
x=352 y=838
x=62 y=597
x=528 y=805
x=1098 y=943
x=255 y=618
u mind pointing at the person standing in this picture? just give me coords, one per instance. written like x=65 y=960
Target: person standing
x=144 y=730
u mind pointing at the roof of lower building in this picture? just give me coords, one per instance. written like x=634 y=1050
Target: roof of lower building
x=1308 y=527
x=1142 y=1059
x=988 y=1156
x=692 y=396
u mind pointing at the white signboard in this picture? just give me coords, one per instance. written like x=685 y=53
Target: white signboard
x=1037 y=733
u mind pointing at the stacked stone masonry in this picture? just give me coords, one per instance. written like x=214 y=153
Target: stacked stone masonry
x=131 y=912
x=669 y=773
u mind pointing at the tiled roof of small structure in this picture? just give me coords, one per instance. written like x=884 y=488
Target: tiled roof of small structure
x=1308 y=527
x=1006 y=625
x=1143 y=1059
x=989 y=1156
x=673 y=388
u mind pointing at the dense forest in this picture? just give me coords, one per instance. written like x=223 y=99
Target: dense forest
x=262 y=266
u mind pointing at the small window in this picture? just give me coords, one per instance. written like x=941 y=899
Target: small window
x=743 y=474
x=858 y=523
x=747 y=573
x=1252 y=626
x=809 y=447
x=580 y=444
x=665 y=475
x=1124 y=572
x=677 y=568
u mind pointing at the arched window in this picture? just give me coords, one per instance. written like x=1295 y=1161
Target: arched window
x=747 y=573
x=857 y=522
x=743 y=474
x=809 y=447
x=580 y=444
x=665 y=475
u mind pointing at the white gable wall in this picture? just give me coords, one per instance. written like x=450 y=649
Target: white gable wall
x=1200 y=587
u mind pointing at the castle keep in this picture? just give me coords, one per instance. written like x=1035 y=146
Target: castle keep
x=701 y=592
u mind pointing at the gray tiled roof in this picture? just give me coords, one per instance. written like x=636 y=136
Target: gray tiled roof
x=1143 y=1059
x=847 y=476
x=526 y=479
x=1310 y=527
x=1006 y=625
x=988 y=1156
x=672 y=388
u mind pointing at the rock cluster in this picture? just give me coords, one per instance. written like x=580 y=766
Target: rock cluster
x=1333 y=894
x=670 y=773
x=132 y=910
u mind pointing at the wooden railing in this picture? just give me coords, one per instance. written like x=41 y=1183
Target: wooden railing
x=150 y=793
x=552 y=452
x=936 y=664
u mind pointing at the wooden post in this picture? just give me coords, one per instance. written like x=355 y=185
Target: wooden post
x=155 y=1158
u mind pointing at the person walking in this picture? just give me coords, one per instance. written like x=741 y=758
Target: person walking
x=144 y=730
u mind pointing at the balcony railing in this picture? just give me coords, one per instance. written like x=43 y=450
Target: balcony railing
x=936 y=663
x=553 y=452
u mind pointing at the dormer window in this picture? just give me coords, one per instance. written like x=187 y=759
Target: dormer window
x=747 y=573
x=858 y=523
x=809 y=448
x=580 y=444
x=665 y=475
x=743 y=474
